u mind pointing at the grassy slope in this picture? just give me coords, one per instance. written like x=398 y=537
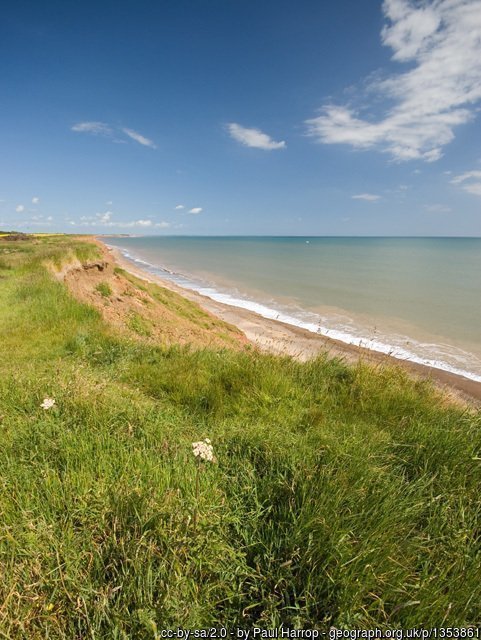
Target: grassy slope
x=145 y=310
x=342 y=496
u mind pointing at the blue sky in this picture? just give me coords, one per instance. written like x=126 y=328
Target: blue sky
x=221 y=117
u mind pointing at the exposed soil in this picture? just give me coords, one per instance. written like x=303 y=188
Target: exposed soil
x=146 y=311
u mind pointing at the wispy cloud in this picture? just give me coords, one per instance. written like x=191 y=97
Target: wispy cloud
x=139 y=138
x=253 y=137
x=474 y=188
x=469 y=175
x=35 y=200
x=20 y=208
x=179 y=207
x=441 y=39
x=112 y=132
x=195 y=210
x=469 y=181
x=368 y=197
x=140 y=223
x=96 y=128
x=105 y=220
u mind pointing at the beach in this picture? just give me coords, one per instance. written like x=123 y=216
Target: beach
x=278 y=337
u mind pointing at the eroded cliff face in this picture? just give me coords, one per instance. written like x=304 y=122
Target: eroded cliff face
x=145 y=311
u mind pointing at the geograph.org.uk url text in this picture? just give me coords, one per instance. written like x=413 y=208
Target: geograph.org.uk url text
x=333 y=633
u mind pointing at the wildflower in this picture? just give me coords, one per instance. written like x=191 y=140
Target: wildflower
x=47 y=403
x=203 y=450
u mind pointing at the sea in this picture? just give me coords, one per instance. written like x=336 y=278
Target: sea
x=417 y=299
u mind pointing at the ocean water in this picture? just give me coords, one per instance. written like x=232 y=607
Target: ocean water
x=415 y=298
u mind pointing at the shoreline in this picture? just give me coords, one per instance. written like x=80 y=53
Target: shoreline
x=275 y=336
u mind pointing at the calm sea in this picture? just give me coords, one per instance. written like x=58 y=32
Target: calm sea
x=417 y=298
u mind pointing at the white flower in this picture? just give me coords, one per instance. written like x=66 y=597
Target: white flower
x=47 y=403
x=203 y=450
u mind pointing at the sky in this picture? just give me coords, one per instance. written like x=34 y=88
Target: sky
x=332 y=117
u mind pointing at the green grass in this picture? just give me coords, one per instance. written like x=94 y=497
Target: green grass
x=104 y=289
x=342 y=496
x=139 y=325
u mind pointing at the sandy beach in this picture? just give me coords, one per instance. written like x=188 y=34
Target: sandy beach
x=277 y=337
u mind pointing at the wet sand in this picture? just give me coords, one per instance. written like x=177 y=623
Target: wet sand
x=277 y=337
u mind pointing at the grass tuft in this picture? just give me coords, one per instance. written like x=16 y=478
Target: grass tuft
x=104 y=289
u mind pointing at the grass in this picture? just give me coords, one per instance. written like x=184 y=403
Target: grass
x=104 y=289
x=139 y=325
x=342 y=496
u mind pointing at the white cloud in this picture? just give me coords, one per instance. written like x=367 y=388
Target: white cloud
x=368 y=197
x=20 y=208
x=139 y=138
x=474 y=188
x=35 y=200
x=410 y=29
x=49 y=218
x=104 y=220
x=179 y=207
x=469 y=175
x=109 y=203
x=104 y=129
x=97 y=128
x=196 y=210
x=133 y=223
x=441 y=40
x=469 y=181
x=253 y=137
x=104 y=217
